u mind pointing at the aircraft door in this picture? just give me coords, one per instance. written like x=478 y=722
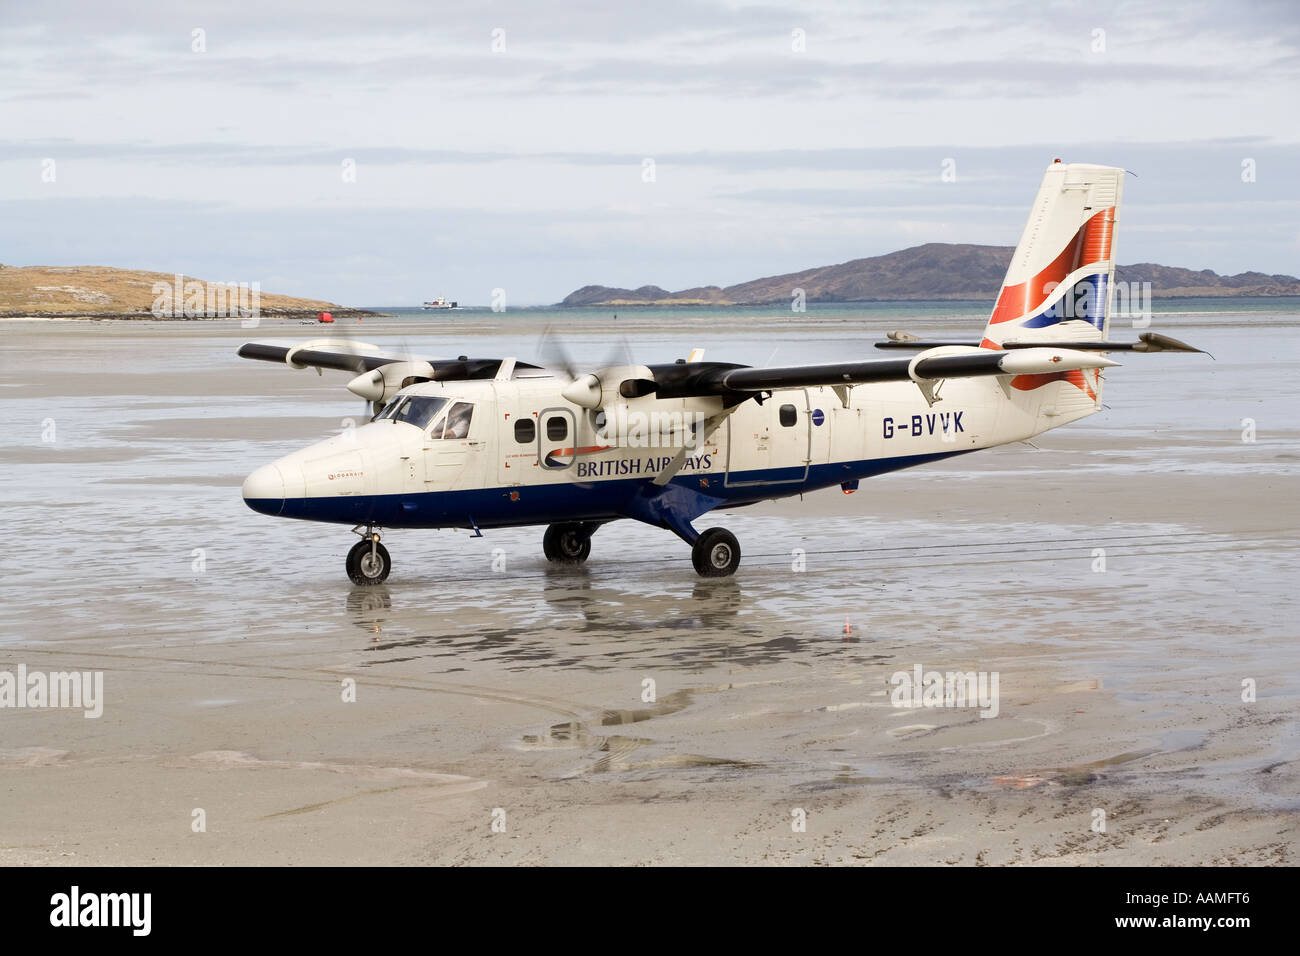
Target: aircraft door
x=772 y=444
x=454 y=447
x=821 y=412
x=557 y=439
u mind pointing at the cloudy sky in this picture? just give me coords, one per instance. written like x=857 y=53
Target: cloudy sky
x=384 y=152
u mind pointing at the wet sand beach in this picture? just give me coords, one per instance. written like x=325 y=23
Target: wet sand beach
x=502 y=716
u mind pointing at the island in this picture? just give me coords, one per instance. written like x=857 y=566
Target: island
x=933 y=271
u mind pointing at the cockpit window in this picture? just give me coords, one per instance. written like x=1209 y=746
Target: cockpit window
x=417 y=410
x=457 y=423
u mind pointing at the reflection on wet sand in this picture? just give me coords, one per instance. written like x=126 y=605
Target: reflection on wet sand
x=572 y=617
x=712 y=603
x=615 y=752
x=367 y=607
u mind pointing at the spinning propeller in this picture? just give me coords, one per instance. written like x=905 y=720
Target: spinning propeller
x=620 y=377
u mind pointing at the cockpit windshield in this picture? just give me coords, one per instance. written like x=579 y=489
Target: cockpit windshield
x=417 y=410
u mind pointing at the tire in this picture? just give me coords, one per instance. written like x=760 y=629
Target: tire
x=566 y=543
x=360 y=567
x=716 y=553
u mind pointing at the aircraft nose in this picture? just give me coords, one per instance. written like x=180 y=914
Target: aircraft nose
x=264 y=490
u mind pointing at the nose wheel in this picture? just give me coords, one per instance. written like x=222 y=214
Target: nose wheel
x=716 y=553
x=368 y=561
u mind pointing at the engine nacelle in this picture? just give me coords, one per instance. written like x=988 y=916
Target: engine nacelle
x=609 y=386
x=381 y=384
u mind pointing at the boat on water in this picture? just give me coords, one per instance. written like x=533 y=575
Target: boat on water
x=439 y=303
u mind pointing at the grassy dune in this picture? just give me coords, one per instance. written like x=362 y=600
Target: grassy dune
x=125 y=293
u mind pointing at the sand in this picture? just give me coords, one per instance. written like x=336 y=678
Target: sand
x=518 y=698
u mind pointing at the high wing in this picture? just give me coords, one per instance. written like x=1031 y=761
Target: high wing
x=936 y=361
x=378 y=377
x=363 y=360
x=952 y=361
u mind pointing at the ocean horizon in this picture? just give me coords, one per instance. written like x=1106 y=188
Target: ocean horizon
x=919 y=308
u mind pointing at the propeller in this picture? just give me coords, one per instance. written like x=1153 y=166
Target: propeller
x=622 y=394
x=379 y=373
x=619 y=376
x=376 y=387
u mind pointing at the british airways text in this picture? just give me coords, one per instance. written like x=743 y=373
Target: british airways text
x=639 y=466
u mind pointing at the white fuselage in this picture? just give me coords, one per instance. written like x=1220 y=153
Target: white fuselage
x=529 y=456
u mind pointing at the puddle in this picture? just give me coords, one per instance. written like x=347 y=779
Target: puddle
x=566 y=736
x=618 y=759
x=668 y=705
x=1174 y=741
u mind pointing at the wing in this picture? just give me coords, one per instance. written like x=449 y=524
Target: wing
x=951 y=361
x=377 y=378
x=358 y=357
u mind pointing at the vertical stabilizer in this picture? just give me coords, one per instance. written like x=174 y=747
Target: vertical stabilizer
x=1058 y=285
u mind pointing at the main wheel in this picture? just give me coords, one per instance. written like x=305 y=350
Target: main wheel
x=566 y=543
x=365 y=567
x=716 y=553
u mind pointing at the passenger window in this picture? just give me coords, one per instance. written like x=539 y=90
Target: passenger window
x=525 y=431
x=457 y=423
x=788 y=415
x=557 y=428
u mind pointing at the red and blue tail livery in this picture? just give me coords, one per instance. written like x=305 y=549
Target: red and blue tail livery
x=1060 y=277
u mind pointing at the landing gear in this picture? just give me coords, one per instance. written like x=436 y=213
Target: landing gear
x=716 y=553
x=567 y=543
x=368 y=561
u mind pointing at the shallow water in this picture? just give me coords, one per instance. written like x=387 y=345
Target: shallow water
x=136 y=547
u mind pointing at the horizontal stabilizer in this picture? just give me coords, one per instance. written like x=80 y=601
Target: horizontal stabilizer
x=1147 y=342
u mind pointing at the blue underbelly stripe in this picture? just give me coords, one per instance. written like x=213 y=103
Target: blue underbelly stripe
x=607 y=498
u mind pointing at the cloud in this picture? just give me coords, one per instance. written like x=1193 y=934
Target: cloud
x=529 y=161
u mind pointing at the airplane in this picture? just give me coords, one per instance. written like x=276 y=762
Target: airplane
x=487 y=443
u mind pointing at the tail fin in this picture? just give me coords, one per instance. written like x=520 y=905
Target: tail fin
x=1058 y=285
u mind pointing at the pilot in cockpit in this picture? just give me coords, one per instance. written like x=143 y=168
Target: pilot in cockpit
x=458 y=421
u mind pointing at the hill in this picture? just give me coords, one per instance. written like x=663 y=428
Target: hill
x=936 y=270
x=104 y=292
